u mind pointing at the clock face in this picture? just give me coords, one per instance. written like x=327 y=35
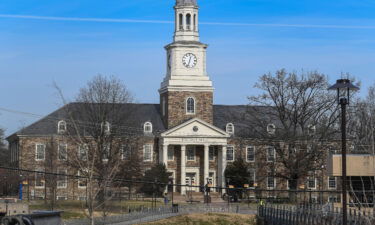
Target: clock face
x=189 y=60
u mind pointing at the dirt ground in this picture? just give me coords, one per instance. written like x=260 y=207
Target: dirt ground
x=208 y=219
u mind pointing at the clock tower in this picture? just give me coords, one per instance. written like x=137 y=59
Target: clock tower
x=186 y=91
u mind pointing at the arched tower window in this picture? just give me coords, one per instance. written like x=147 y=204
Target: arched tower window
x=181 y=22
x=190 y=106
x=188 y=21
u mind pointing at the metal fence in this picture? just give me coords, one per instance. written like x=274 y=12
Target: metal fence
x=152 y=214
x=311 y=215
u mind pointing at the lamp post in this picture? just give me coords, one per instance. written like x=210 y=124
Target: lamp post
x=343 y=88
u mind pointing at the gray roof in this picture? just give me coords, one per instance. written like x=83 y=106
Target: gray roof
x=138 y=114
x=186 y=2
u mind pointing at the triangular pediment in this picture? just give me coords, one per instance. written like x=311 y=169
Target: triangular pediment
x=195 y=128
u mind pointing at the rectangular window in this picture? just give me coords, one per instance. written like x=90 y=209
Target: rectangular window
x=190 y=153
x=82 y=182
x=40 y=152
x=62 y=181
x=270 y=154
x=311 y=182
x=39 y=179
x=252 y=178
x=211 y=153
x=271 y=182
x=126 y=151
x=230 y=153
x=147 y=153
x=332 y=182
x=171 y=154
x=106 y=153
x=82 y=152
x=62 y=152
x=250 y=153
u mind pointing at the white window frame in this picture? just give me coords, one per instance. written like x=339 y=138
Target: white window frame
x=79 y=181
x=227 y=128
x=80 y=149
x=170 y=150
x=247 y=148
x=274 y=183
x=193 y=148
x=106 y=127
x=232 y=147
x=41 y=172
x=186 y=105
x=308 y=182
x=147 y=125
x=66 y=152
x=271 y=128
x=108 y=149
x=253 y=170
x=274 y=154
x=128 y=147
x=61 y=123
x=61 y=171
x=213 y=150
x=61 y=198
x=144 y=152
x=36 y=152
x=328 y=183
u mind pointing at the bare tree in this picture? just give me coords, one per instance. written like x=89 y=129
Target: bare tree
x=97 y=125
x=295 y=116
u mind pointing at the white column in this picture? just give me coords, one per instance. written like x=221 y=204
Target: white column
x=183 y=165
x=223 y=164
x=206 y=163
x=165 y=155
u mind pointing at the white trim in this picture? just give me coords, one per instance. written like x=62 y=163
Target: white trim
x=80 y=187
x=214 y=151
x=36 y=152
x=223 y=133
x=308 y=183
x=247 y=147
x=274 y=183
x=144 y=153
x=230 y=146
x=66 y=151
x=170 y=148
x=58 y=127
x=107 y=127
x=335 y=183
x=228 y=125
x=271 y=128
x=147 y=124
x=40 y=171
x=194 y=148
x=186 y=106
x=274 y=154
x=59 y=171
x=85 y=147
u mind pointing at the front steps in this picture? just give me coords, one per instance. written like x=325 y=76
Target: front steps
x=194 y=197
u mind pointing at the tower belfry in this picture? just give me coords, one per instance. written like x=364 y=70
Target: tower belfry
x=186 y=21
x=186 y=77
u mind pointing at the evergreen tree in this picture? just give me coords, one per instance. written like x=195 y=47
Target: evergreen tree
x=159 y=174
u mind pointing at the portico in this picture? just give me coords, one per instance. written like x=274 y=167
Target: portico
x=192 y=150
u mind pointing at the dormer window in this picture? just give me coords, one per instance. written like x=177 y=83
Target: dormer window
x=271 y=128
x=311 y=129
x=106 y=126
x=230 y=128
x=190 y=106
x=147 y=128
x=61 y=126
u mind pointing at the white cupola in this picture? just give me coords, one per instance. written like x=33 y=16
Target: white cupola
x=186 y=20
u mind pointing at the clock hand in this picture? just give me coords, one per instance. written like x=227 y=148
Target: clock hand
x=189 y=60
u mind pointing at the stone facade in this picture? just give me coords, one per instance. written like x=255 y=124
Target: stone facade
x=175 y=104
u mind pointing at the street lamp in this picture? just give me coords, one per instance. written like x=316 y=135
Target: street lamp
x=343 y=88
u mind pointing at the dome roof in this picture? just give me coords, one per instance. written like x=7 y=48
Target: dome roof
x=186 y=2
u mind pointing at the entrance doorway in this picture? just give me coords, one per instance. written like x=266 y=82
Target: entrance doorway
x=191 y=179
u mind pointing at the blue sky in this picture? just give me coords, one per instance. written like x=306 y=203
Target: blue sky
x=251 y=37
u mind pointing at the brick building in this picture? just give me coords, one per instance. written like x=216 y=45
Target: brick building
x=185 y=123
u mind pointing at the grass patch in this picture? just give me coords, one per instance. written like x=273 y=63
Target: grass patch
x=208 y=219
